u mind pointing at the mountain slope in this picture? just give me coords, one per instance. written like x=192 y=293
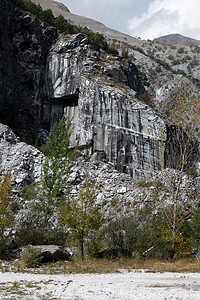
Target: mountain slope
x=176 y=39
x=85 y=22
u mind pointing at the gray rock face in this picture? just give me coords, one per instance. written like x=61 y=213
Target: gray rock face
x=24 y=44
x=49 y=253
x=97 y=91
x=176 y=39
x=22 y=160
x=106 y=116
x=61 y=6
x=195 y=252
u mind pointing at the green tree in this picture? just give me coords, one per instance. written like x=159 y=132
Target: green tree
x=182 y=153
x=60 y=23
x=46 y=196
x=56 y=168
x=163 y=214
x=82 y=216
x=47 y=16
x=122 y=233
x=58 y=162
x=34 y=8
x=6 y=200
x=6 y=212
x=195 y=227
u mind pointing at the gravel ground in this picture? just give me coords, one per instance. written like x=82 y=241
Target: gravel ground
x=134 y=285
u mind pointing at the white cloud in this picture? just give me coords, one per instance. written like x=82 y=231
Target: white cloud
x=165 y=17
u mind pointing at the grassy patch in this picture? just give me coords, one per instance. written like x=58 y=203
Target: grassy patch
x=78 y=266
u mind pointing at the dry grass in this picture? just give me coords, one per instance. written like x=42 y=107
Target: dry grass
x=108 y=266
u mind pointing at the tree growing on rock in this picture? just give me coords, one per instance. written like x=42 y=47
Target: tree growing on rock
x=83 y=215
x=55 y=170
x=54 y=187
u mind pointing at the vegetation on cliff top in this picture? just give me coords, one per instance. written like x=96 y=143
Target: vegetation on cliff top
x=62 y=24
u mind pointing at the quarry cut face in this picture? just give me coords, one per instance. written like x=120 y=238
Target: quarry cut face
x=107 y=118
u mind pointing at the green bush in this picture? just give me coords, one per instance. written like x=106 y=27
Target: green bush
x=32 y=257
x=181 y=50
x=47 y=16
x=36 y=236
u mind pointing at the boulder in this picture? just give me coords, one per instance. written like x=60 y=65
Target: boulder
x=109 y=253
x=50 y=253
x=195 y=252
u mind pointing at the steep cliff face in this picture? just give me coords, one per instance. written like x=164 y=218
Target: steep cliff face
x=24 y=44
x=91 y=87
x=99 y=94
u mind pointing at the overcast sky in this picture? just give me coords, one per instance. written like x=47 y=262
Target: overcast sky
x=144 y=18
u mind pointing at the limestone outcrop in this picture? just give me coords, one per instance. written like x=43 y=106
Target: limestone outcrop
x=94 y=89
x=22 y=160
x=24 y=44
x=48 y=253
x=98 y=94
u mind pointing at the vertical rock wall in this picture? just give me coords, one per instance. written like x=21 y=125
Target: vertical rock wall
x=107 y=118
x=24 y=45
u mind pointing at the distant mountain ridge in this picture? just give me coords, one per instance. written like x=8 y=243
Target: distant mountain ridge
x=175 y=39
x=96 y=26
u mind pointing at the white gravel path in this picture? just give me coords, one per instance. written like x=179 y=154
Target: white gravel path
x=134 y=285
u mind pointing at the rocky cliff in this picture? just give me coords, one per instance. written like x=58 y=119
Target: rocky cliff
x=24 y=45
x=98 y=92
x=42 y=78
x=40 y=81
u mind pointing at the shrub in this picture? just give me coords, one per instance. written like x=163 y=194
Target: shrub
x=170 y=57
x=125 y=53
x=181 y=50
x=196 y=49
x=28 y=235
x=145 y=98
x=32 y=257
x=113 y=50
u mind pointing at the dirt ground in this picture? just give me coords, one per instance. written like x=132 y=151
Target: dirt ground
x=134 y=285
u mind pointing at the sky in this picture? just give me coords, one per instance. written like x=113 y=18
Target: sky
x=147 y=19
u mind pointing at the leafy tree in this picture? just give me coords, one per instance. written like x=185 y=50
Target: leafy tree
x=195 y=227
x=34 y=8
x=60 y=23
x=182 y=154
x=47 y=16
x=163 y=216
x=46 y=196
x=6 y=200
x=123 y=233
x=58 y=163
x=181 y=50
x=82 y=216
x=6 y=212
